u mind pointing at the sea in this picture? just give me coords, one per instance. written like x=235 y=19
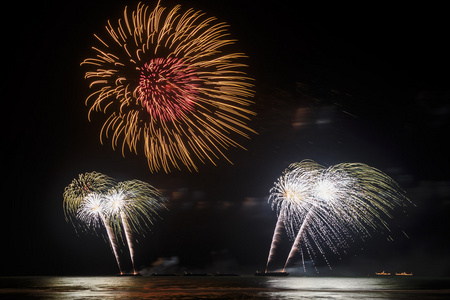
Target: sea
x=224 y=287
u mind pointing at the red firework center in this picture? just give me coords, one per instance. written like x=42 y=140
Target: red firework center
x=167 y=88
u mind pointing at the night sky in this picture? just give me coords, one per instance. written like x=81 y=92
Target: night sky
x=334 y=84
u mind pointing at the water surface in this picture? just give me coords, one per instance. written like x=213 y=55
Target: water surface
x=212 y=287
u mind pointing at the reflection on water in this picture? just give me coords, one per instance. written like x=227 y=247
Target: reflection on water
x=359 y=288
x=243 y=287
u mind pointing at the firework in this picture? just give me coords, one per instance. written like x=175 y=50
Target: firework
x=95 y=200
x=78 y=189
x=165 y=80
x=323 y=208
x=94 y=210
x=133 y=204
x=291 y=196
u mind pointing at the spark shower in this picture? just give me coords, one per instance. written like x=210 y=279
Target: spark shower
x=94 y=201
x=322 y=208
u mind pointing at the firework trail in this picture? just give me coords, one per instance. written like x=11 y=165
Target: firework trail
x=275 y=240
x=94 y=211
x=164 y=79
x=290 y=194
x=295 y=246
x=133 y=204
x=339 y=202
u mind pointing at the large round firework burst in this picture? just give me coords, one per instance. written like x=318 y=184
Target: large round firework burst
x=165 y=80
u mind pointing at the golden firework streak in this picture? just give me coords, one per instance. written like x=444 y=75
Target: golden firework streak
x=218 y=90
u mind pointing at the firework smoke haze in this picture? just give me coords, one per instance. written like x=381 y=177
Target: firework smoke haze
x=323 y=208
x=167 y=84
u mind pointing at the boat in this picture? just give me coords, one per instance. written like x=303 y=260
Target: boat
x=382 y=273
x=403 y=274
x=280 y=274
x=195 y=274
x=164 y=274
x=129 y=274
x=226 y=274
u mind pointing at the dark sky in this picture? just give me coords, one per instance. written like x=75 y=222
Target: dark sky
x=334 y=84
